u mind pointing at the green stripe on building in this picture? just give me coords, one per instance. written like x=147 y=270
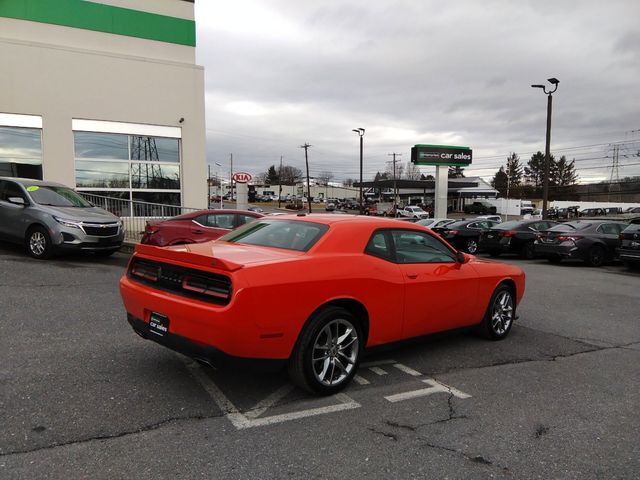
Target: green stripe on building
x=103 y=18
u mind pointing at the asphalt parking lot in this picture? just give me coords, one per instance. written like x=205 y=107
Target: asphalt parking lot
x=83 y=397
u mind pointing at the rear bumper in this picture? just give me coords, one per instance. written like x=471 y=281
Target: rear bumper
x=205 y=353
x=628 y=255
x=564 y=251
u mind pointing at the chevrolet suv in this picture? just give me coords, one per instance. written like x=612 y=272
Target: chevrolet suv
x=49 y=217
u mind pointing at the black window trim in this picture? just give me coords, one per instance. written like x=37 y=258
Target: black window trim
x=393 y=257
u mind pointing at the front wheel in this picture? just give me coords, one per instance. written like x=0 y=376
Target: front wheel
x=500 y=314
x=528 y=252
x=327 y=353
x=38 y=243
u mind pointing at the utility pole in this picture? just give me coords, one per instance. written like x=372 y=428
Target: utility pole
x=231 y=177
x=306 y=160
x=547 y=151
x=395 y=185
x=280 y=183
x=360 y=133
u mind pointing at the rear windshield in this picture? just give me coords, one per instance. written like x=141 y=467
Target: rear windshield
x=56 y=196
x=462 y=223
x=508 y=225
x=287 y=234
x=570 y=227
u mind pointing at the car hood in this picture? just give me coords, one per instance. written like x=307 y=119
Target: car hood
x=220 y=254
x=90 y=214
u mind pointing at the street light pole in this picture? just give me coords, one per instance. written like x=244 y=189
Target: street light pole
x=219 y=182
x=360 y=132
x=547 y=150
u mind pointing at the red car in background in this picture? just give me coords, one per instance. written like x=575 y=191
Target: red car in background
x=195 y=227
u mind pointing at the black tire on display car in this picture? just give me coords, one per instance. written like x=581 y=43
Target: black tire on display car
x=38 y=243
x=327 y=353
x=471 y=246
x=528 y=252
x=596 y=256
x=500 y=314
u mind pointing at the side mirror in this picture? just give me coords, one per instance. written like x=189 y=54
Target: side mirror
x=17 y=201
x=461 y=257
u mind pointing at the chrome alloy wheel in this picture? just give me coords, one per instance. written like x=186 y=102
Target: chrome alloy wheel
x=335 y=352
x=502 y=312
x=37 y=243
x=472 y=246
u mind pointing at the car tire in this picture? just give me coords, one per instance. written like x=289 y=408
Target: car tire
x=528 y=252
x=38 y=243
x=329 y=373
x=554 y=259
x=471 y=246
x=500 y=314
x=596 y=256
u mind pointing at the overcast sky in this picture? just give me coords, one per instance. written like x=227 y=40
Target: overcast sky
x=280 y=73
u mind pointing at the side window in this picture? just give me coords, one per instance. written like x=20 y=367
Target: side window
x=474 y=225
x=242 y=219
x=10 y=189
x=419 y=247
x=220 y=220
x=608 y=229
x=201 y=219
x=378 y=246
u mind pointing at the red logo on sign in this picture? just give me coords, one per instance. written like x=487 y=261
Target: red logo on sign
x=242 y=177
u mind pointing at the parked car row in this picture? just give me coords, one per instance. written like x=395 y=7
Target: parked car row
x=593 y=241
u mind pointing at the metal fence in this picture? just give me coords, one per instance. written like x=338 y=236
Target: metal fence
x=135 y=214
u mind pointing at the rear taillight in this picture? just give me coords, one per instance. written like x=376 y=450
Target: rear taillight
x=450 y=232
x=151 y=229
x=204 y=286
x=146 y=271
x=508 y=234
x=564 y=238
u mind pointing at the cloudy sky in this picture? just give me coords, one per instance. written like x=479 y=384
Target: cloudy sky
x=280 y=73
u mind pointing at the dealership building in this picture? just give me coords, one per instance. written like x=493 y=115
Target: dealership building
x=104 y=96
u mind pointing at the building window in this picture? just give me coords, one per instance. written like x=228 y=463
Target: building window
x=141 y=167
x=20 y=146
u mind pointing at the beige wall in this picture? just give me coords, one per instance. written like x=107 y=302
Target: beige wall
x=153 y=83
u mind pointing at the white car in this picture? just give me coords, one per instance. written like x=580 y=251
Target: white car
x=412 y=211
x=493 y=218
x=434 y=222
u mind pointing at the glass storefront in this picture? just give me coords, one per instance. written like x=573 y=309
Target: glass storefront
x=144 y=168
x=21 y=152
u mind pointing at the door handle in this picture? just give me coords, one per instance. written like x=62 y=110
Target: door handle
x=412 y=276
x=197 y=231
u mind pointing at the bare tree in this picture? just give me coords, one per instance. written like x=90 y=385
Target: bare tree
x=412 y=172
x=324 y=177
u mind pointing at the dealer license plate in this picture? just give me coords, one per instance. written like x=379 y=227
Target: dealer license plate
x=158 y=324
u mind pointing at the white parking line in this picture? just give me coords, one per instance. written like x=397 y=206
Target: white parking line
x=250 y=420
x=378 y=370
x=360 y=380
x=376 y=363
x=405 y=369
x=436 y=387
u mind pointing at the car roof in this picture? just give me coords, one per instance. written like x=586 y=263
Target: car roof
x=330 y=219
x=190 y=215
x=31 y=181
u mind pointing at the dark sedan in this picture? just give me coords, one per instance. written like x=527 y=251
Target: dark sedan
x=516 y=237
x=629 y=251
x=196 y=227
x=465 y=234
x=594 y=241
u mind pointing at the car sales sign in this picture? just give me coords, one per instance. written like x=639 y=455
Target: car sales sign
x=242 y=177
x=440 y=155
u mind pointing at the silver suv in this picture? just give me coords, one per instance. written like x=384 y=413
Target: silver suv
x=48 y=217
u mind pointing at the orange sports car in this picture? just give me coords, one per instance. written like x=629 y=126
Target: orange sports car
x=312 y=292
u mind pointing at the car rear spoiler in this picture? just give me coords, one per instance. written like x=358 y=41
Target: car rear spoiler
x=181 y=253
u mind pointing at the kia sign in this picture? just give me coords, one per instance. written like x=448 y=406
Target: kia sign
x=441 y=155
x=242 y=177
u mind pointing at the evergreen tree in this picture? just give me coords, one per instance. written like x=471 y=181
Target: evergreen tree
x=534 y=170
x=514 y=170
x=500 y=180
x=272 y=176
x=565 y=172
